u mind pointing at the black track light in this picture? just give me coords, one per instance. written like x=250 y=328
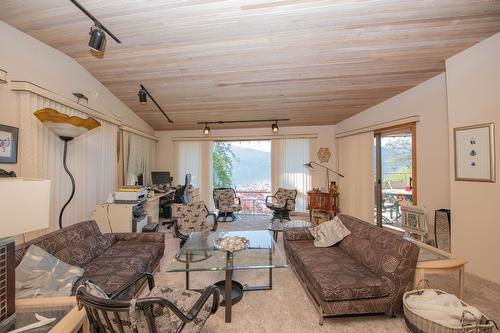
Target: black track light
x=275 y=127
x=206 y=130
x=143 y=98
x=97 y=40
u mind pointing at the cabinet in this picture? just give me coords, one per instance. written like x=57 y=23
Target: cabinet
x=116 y=217
x=323 y=202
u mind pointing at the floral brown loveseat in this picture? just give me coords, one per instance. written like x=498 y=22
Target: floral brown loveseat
x=109 y=260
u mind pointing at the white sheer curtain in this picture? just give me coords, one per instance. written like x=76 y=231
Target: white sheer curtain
x=189 y=160
x=139 y=157
x=289 y=157
x=92 y=159
x=356 y=164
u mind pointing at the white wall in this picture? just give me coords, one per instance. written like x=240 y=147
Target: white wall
x=326 y=138
x=428 y=101
x=473 y=79
x=27 y=59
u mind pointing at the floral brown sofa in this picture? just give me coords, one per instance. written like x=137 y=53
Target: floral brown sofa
x=109 y=260
x=367 y=272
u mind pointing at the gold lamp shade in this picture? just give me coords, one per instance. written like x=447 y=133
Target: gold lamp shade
x=65 y=126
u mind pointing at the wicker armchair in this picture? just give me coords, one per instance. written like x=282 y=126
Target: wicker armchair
x=192 y=217
x=226 y=202
x=282 y=203
x=165 y=310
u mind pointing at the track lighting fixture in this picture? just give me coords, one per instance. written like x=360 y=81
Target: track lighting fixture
x=144 y=94
x=97 y=39
x=275 y=127
x=206 y=130
x=98 y=31
x=143 y=98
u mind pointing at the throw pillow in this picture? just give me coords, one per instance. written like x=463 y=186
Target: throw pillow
x=329 y=233
x=40 y=274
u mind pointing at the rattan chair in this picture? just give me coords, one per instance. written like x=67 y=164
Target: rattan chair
x=183 y=310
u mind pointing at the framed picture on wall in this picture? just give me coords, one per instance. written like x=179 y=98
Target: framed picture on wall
x=8 y=144
x=475 y=153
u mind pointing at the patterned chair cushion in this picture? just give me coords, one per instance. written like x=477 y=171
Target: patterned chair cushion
x=192 y=217
x=284 y=197
x=224 y=199
x=165 y=320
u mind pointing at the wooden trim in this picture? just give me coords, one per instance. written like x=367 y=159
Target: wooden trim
x=379 y=126
x=141 y=133
x=247 y=138
x=33 y=88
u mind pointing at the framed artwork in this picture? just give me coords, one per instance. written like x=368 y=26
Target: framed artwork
x=475 y=153
x=8 y=144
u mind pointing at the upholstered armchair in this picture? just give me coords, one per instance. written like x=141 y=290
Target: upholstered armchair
x=192 y=217
x=282 y=203
x=226 y=202
x=164 y=309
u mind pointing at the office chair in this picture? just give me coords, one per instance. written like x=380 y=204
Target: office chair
x=181 y=195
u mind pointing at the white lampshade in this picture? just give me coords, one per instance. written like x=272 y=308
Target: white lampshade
x=24 y=205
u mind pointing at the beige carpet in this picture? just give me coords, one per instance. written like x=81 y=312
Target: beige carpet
x=286 y=308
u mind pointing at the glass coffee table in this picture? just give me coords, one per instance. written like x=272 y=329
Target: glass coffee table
x=200 y=254
x=276 y=226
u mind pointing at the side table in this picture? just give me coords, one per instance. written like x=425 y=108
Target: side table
x=276 y=226
x=68 y=318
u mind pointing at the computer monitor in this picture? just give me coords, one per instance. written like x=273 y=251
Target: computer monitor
x=160 y=177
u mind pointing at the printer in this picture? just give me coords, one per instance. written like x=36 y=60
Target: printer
x=131 y=194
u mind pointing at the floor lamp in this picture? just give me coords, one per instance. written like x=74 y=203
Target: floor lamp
x=66 y=128
x=310 y=166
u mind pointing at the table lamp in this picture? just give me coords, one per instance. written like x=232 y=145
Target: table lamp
x=25 y=207
x=66 y=128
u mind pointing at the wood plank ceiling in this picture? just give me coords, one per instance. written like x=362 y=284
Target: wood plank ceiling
x=315 y=62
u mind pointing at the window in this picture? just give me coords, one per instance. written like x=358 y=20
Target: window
x=245 y=166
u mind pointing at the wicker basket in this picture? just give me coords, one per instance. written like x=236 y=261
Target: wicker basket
x=418 y=324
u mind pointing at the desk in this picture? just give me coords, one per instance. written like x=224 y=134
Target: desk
x=152 y=206
x=434 y=260
x=72 y=319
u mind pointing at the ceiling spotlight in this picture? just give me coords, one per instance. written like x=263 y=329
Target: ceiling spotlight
x=142 y=96
x=275 y=127
x=97 y=39
x=98 y=31
x=206 y=130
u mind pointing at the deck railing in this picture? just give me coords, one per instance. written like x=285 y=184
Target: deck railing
x=253 y=202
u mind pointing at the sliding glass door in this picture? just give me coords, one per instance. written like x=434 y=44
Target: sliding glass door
x=395 y=173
